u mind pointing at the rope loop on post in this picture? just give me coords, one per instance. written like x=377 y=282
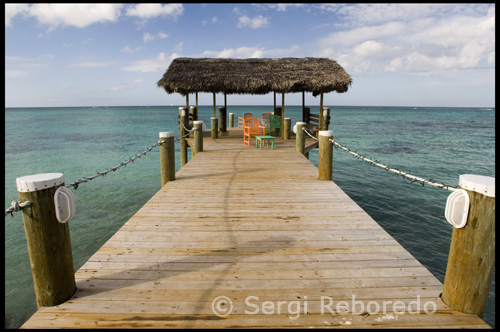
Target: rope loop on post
x=16 y=206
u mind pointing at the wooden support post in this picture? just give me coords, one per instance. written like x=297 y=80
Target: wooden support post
x=282 y=115
x=320 y=121
x=167 y=157
x=193 y=112
x=300 y=138
x=303 y=104
x=326 y=118
x=49 y=245
x=215 y=106
x=222 y=119
x=231 y=120
x=198 y=137
x=325 y=152
x=307 y=115
x=286 y=129
x=225 y=102
x=277 y=111
x=214 y=127
x=183 y=132
x=471 y=261
x=274 y=94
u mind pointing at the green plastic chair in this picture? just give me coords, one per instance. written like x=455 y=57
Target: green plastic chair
x=274 y=124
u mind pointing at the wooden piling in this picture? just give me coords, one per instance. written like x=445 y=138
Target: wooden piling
x=325 y=152
x=214 y=127
x=48 y=241
x=193 y=111
x=326 y=118
x=300 y=137
x=306 y=115
x=320 y=121
x=286 y=128
x=222 y=119
x=215 y=104
x=183 y=145
x=231 y=120
x=167 y=157
x=471 y=261
x=282 y=115
x=198 y=137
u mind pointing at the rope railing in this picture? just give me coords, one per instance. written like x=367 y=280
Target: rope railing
x=405 y=175
x=112 y=169
x=17 y=206
x=189 y=131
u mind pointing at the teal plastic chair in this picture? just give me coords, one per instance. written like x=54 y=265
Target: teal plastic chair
x=274 y=125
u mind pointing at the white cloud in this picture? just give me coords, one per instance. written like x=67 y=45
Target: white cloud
x=178 y=47
x=146 y=11
x=254 y=23
x=414 y=43
x=364 y=33
x=117 y=88
x=77 y=15
x=12 y=10
x=14 y=73
x=251 y=52
x=127 y=49
x=137 y=81
x=283 y=7
x=91 y=64
x=213 y=20
x=19 y=67
x=147 y=37
x=160 y=63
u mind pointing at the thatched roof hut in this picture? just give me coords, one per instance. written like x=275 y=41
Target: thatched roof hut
x=254 y=76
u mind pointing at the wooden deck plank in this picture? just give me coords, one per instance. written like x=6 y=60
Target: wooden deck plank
x=246 y=223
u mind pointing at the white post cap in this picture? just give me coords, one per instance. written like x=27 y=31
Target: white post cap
x=326 y=133
x=301 y=123
x=481 y=184
x=166 y=134
x=198 y=122
x=213 y=117
x=38 y=182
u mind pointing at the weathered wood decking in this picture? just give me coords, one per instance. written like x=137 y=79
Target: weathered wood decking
x=253 y=226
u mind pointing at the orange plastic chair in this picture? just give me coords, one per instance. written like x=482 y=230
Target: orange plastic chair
x=242 y=119
x=251 y=128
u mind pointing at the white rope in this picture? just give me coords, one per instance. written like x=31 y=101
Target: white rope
x=188 y=130
x=404 y=174
x=307 y=132
x=15 y=206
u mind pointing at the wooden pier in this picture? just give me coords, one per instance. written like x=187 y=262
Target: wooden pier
x=251 y=238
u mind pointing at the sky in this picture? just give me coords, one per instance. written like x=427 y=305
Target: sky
x=59 y=55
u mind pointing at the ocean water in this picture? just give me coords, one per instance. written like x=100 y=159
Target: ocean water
x=433 y=143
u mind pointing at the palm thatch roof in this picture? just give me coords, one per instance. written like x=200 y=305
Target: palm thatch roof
x=254 y=76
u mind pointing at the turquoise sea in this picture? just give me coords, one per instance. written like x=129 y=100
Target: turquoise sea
x=433 y=143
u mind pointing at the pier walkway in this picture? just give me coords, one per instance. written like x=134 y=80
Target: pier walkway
x=250 y=238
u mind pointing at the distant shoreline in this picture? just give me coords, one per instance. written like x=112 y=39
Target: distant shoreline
x=484 y=108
